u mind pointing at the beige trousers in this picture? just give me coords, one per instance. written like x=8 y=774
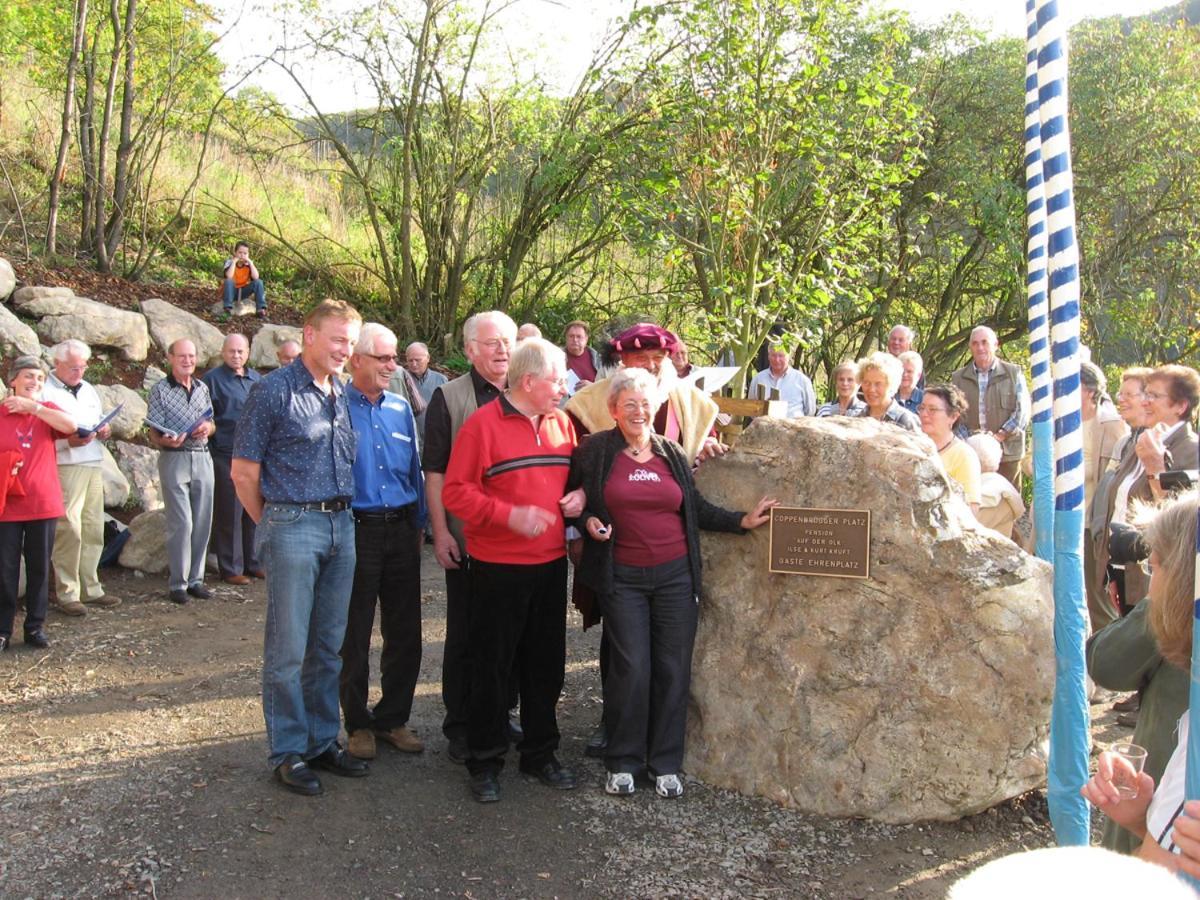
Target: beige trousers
x=79 y=538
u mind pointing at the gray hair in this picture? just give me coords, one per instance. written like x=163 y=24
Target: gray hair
x=988 y=449
x=503 y=323
x=991 y=332
x=915 y=356
x=634 y=380
x=70 y=347
x=368 y=339
x=21 y=363
x=1092 y=378
x=417 y=344
x=235 y=334
x=885 y=363
x=846 y=365
x=534 y=356
x=909 y=334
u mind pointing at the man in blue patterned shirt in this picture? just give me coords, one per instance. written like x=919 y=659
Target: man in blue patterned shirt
x=389 y=517
x=293 y=458
x=179 y=416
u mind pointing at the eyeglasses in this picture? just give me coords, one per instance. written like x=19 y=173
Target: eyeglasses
x=925 y=408
x=384 y=359
x=1146 y=567
x=496 y=343
x=1154 y=395
x=557 y=382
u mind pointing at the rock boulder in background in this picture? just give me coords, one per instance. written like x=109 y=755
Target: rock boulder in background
x=921 y=693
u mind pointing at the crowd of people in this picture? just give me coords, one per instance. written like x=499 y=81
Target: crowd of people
x=326 y=476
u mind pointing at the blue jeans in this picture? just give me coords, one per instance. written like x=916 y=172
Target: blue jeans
x=229 y=293
x=309 y=558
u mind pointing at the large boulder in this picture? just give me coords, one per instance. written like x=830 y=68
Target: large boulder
x=8 y=279
x=128 y=421
x=116 y=485
x=169 y=323
x=62 y=315
x=146 y=549
x=16 y=338
x=140 y=466
x=243 y=307
x=922 y=692
x=267 y=341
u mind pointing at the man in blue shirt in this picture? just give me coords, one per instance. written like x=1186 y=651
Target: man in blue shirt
x=232 y=528
x=293 y=458
x=389 y=516
x=793 y=385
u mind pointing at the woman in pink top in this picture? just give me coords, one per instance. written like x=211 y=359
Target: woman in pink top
x=33 y=498
x=642 y=559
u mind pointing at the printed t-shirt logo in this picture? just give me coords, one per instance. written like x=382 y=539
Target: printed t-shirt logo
x=644 y=475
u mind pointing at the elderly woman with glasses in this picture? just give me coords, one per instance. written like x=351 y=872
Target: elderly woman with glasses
x=879 y=378
x=642 y=517
x=940 y=410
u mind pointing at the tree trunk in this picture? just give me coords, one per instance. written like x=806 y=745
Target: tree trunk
x=68 y=115
x=87 y=144
x=99 y=244
x=116 y=220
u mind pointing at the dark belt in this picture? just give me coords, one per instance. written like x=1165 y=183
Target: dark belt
x=321 y=505
x=400 y=514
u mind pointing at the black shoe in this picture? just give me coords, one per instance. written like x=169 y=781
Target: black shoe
x=339 y=762
x=180 y=597
x=262 y=313
x=295 y=775
x=598 y=743
x=552 y=775
x=199 y=591
x=484 y=787
x=3 y=642
x=515 y=733
x=457 y=750
x=37 y=639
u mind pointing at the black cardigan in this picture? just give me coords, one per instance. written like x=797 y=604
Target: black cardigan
x=590 y=467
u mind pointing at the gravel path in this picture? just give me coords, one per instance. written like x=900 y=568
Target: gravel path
x=134 y=762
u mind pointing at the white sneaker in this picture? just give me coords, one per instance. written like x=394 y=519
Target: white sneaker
x=619 y=784
x=668 y=786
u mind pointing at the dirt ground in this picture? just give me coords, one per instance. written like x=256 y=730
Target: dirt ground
x=133 y=760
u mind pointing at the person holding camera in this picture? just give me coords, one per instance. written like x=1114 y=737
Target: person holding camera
x=1165 y=831
x=241 y=277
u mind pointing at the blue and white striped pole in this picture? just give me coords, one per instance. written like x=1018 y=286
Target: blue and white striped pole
x=1038 y=304
x=1069 y=724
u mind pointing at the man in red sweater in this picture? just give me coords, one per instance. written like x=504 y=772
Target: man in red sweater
x=506 y=480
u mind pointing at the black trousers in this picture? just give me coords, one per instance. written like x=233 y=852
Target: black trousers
x=32 y=540
x=650 y=622
x=232 y=528
x=387 y=571
x=456 y=659
x=518 y=626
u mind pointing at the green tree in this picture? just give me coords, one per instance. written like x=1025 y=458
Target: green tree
x=784 y=139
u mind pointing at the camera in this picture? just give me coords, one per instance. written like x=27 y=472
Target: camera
x=1126 y=546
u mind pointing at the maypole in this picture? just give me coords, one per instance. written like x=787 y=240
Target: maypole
x=1069 y=727
x=1038 y=303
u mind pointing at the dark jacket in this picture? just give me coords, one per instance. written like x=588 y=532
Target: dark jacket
x=590 y=467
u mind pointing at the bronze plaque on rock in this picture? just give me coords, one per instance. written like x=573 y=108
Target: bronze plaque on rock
x=821 y=542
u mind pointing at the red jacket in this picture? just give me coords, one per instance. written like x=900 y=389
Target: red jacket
x=498 y=462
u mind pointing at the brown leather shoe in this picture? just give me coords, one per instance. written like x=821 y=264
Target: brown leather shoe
x=70 y=607
x=402 y=739
x=236 y=579
x=361 y=743
x=256 y=573
x=105 y=601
